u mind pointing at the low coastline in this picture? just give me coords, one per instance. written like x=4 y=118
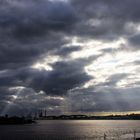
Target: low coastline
x=85 y=117
x=15 y=120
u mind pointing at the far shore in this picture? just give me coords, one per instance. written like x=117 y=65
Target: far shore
x=85 y=117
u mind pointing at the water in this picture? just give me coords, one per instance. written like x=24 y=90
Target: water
x=72 y=130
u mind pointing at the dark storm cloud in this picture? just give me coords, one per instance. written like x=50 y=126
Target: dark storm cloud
x=30 y=29
x=106 y=19
x=103 y=8
x=64 y=51
x=135 y=41
x=114 y=79
x=109 y=9
x=25 y=19
x=4 y=93
x=65 y=76
x=15 y=55
x=104 y=99
x=22 y=100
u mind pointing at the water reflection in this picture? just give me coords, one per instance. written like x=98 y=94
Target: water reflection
x=57 y=129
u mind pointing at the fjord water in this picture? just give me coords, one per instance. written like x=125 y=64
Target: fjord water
x=72 y=129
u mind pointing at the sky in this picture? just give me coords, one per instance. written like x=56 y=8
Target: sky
x=69 y=56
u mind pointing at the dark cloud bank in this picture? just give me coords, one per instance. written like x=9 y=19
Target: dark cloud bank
x=31 y=30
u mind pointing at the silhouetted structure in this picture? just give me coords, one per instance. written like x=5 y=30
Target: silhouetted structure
x=15 y=120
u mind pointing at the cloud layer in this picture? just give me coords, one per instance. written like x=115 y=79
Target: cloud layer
x=59 y=54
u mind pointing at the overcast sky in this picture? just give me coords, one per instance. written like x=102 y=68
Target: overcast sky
x=69 y=56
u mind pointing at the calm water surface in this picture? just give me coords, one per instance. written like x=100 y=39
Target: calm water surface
x=72 y=129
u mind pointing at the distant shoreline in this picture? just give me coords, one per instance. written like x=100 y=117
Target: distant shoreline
x=91 y=119
x=85 y=117
x=15 y=120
